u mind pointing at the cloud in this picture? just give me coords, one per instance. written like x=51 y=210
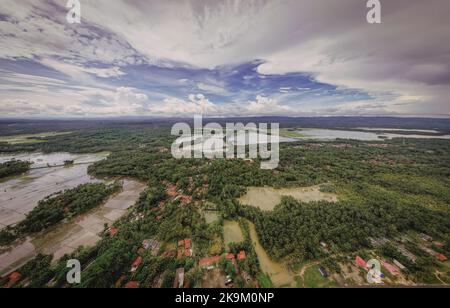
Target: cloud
x=170 y=49
x=210 y=88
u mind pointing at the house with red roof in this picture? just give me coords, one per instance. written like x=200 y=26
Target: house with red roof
x=184 y=248
x=209 y=262
x=132 y=285
x=136 y=264
x=241 y=255
x=441 y=257
x=113 y=231
x=360 y=262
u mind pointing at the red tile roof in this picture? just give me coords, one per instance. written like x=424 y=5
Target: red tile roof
x=137 y=262
x=241 y=255
x=187 y=243
x=441 y=257
x=113 y=231
x=360 y=262
x=14 y=277
x=209 y=261
x=132 y=285
x=230 y=256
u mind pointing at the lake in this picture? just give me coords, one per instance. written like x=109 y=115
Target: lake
x=333 y=134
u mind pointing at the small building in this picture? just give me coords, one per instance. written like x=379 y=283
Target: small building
x=179 y=278
x=323 y=272
x=426 y=237
x=399 y=265
x=136 y=264
x=132 y=285
x=407 y=253
x=229 y=256
x=441 y=257
x=113 y=232
x=241 y=255
x=184 y=248
x=151 y=244
x=209 y=262
x=360 y=262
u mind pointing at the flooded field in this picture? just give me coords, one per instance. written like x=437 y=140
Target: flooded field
x=278 y=272
x=331 y=134
x=20 y=194
x=232 y=232
x=67 y=237
x=266 y=198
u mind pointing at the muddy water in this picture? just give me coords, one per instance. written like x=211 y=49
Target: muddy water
x=331 y=134
x=67 y=237
x=20 y=194
x=266 y=198
x=278 y=272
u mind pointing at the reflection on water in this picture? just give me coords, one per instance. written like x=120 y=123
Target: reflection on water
x=20 y=194
x=331 y=134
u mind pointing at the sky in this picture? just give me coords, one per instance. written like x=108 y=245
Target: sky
x=167 y=58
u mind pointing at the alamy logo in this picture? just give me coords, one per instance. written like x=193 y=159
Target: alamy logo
x=374 y=14
x=74 y=14
x=74 y=275
x=233 y=141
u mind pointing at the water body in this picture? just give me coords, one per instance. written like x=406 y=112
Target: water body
x=66 y=237
x=21 y=194
x=331 y=134
x=278 y=272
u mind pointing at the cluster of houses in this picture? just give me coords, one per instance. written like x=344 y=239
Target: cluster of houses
x=184 y=248
x=211 y=262
x=173 y=192
x=11 y=280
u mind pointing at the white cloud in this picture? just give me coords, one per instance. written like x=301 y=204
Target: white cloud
x=210 y=88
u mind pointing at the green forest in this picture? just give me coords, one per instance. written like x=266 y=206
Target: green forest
x=386 y=189
x=13 y=167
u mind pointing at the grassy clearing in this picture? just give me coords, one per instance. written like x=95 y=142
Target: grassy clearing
x=30 y=138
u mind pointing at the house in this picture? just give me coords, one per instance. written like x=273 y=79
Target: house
x=151 y=244
x=136 y=264
x=229 y=256
x=391 y=268
x=360 y=262
x=113 y=232
x=241 y=255
x=425 y=237
x=13 y=279
x=184 y=248
x=441 y=257
x=407 y=253
x=209 y=262
x=378 y=242
x=399 y=265
x=323 y=272
x=132 y=285
x=179 y=278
